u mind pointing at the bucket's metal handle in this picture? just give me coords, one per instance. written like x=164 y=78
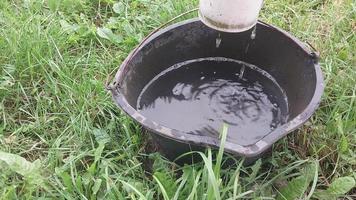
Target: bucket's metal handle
x=108 y=85
x=311 y=50
x=314 y=52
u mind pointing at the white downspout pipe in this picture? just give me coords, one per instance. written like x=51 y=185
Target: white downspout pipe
x=230 y=15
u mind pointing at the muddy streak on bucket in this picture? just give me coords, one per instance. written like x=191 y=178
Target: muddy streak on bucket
x=197 y=96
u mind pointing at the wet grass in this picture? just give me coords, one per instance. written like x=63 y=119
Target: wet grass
x=65 y=139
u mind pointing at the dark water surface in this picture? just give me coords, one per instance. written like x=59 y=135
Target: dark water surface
x=198 y=96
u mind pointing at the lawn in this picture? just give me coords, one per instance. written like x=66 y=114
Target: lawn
x=62 y=137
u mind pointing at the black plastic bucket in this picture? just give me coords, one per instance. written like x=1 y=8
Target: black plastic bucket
x=293 y=66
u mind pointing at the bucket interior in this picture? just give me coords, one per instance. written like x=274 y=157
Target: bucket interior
x=179 y=63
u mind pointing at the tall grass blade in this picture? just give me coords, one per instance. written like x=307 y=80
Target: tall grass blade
x=142 y=197
x=163 y=190
x=211 y=175
x=221 y=150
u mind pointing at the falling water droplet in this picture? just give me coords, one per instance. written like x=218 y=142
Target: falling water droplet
x=253 y=34
x=242 y=71
x=218 y=41
x=247 y=47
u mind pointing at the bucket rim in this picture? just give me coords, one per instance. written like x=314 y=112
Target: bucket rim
x=207 y=141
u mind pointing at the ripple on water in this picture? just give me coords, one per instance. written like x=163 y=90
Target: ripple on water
x=198 y=96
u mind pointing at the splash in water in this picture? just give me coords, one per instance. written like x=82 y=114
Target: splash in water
x=242 y=71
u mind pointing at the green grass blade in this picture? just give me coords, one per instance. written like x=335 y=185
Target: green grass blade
x=211 y=175
x=221 y=150
x=195 y=186
x=163 y=190
x=315 y=179
x=142 y=197
x=236 y=179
